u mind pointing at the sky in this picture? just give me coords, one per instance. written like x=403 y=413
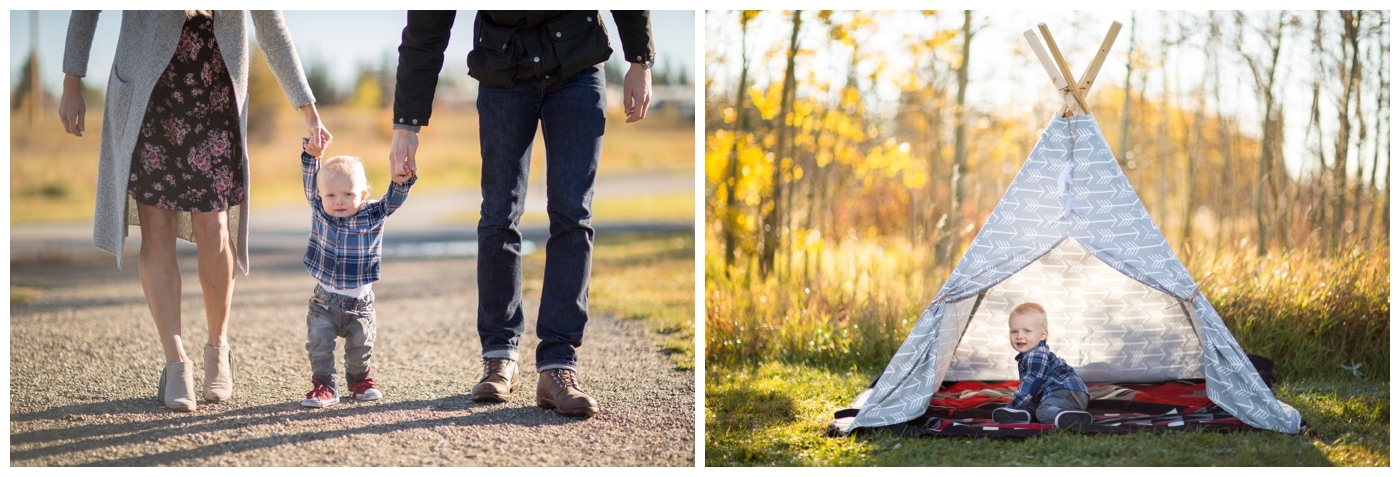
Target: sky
x=341 y=40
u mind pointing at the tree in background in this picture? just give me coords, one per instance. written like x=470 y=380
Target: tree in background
x=368 y=93
x=808 y=152
x=318 y=77
x=265 y=98
x=20 y=96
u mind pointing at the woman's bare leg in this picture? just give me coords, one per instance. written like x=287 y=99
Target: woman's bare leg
x=160 y=277
x=216 y=265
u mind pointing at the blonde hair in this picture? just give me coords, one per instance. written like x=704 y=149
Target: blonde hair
x=349 y=166
x=1031 y=307
x=197 y=13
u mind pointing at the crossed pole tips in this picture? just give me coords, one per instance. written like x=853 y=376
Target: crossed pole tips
x=1074 y=92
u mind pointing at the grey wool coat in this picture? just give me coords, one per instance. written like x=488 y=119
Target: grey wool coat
x=144 y=48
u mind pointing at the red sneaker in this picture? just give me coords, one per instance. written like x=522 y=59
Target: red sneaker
x=321 y=395
x=362 y=387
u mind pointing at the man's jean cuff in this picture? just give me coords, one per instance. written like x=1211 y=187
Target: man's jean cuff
x=513 y=355
x=547 y=367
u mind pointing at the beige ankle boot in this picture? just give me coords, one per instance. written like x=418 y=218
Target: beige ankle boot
x=176 y=389
x=218 y=376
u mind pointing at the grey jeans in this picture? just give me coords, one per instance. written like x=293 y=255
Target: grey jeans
x=330 y=315
x=1061 y=400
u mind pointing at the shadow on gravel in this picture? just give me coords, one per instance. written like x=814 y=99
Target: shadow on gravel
x=276 y=425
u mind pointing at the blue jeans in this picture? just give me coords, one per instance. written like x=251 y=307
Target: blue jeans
x=570 y=112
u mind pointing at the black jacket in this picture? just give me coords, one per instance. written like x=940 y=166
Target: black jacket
x=510 y=46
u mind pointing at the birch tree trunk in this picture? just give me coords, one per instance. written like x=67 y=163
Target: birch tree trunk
x=958 y=183
x=741 y=129
x=774 y=217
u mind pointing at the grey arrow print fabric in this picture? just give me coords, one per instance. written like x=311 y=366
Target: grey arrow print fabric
x=1071 y=234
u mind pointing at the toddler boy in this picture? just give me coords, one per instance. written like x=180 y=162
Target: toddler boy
x=343 y=254
x=1048 y=384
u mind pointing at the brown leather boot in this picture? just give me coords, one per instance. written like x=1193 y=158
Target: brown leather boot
x=500 y=378
x=558 y=389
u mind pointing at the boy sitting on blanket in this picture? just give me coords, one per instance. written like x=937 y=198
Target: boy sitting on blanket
x=1048 y=385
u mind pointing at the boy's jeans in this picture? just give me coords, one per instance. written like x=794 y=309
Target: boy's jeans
x=330 y=315
x=1058 y=401
x=571 y=114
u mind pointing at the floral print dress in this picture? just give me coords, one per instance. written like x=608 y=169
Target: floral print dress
x=189 y=156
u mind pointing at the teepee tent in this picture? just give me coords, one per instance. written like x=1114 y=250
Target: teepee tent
x=1071 y=234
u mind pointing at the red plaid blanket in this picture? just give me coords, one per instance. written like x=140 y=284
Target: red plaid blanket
x=964 y=408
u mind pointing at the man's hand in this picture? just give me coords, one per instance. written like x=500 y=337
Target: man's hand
x=71 y=107
x=636 y=92
x=320 y=137
x=402 y=151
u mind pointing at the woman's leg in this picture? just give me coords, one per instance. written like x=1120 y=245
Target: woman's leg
x=216 y=264
x=216 y=281
x=160 y=277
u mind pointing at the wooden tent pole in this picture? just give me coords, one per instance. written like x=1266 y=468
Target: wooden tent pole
x=1050 y=70
x=1064 y=70
x=1092 y=71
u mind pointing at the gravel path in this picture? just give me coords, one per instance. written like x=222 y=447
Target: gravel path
x=84 y=363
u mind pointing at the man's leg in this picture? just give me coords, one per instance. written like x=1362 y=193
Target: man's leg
x=508 y=119
x=573 y=120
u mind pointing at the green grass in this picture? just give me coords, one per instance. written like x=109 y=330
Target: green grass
x=776 y=413
x=672 y=207
x=648 y=277
x=21 y=295
x=825 y=334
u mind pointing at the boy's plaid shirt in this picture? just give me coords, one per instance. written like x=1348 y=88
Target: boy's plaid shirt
x=343 y=252
x=1042 y=373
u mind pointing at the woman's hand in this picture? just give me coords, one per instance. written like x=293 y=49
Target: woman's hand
x=320 y=137
x=71 y=107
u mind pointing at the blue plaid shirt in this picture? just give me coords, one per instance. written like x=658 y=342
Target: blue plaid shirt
x=343 y=252
x=1042 y=373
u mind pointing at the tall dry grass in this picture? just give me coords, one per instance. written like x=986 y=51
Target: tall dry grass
x=861 y=301
x=1311 y=312
x=1316 y=314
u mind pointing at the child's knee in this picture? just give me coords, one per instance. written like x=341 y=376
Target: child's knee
x=320 y=345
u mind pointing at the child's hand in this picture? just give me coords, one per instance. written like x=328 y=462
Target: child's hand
x=312 y=148
x=402 y=176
